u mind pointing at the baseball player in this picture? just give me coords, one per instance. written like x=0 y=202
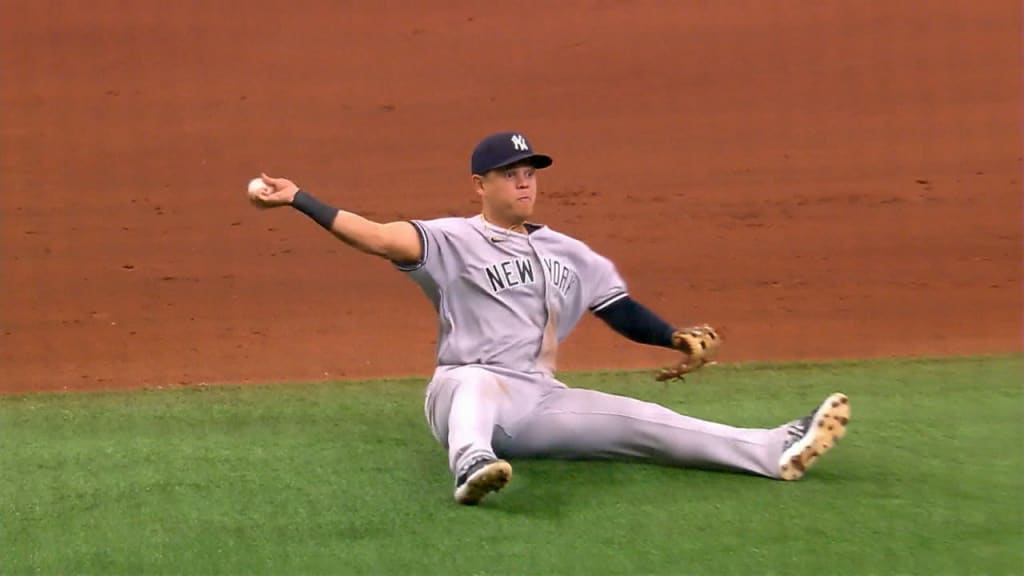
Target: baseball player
x=506 y=291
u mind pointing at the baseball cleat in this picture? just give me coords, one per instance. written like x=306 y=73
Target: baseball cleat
x=480 y=479
x=811 y=436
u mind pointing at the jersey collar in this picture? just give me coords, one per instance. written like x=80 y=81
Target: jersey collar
x=492 y=229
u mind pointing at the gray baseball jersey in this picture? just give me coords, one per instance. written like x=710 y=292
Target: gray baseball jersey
x=504 y=301
x=507 y=299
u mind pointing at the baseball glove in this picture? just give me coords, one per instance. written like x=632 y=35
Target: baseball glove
x=698 y=345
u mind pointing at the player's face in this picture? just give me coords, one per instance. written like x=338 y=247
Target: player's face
x=509 y=193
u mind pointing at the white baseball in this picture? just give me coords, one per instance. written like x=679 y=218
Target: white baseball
x=256 y=185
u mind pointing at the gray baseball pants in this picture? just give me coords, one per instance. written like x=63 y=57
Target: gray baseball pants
x=478 y=411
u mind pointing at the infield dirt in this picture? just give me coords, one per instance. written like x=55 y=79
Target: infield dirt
x=819 y=181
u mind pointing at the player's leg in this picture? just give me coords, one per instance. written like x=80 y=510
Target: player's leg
x=584 y=424
x=464 y=405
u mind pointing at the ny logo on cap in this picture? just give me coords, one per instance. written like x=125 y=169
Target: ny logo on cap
x=520 y=142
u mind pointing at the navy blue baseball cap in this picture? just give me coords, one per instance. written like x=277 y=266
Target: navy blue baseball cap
x=503 y=149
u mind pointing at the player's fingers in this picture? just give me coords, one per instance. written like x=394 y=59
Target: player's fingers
x=271 y=182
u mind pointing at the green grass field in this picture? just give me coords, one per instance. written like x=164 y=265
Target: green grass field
x=345 y=478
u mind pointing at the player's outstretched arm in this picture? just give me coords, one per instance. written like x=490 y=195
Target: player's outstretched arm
x=636 y=322
x=396 y=241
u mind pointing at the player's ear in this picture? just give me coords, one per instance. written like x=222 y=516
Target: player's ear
x=478 y=184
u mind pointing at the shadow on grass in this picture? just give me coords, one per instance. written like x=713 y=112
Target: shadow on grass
x=552 y=489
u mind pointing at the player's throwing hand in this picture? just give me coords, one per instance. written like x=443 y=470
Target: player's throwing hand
x=278 y=192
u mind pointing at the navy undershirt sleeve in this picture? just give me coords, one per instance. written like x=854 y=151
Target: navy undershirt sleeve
x=634 y=321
